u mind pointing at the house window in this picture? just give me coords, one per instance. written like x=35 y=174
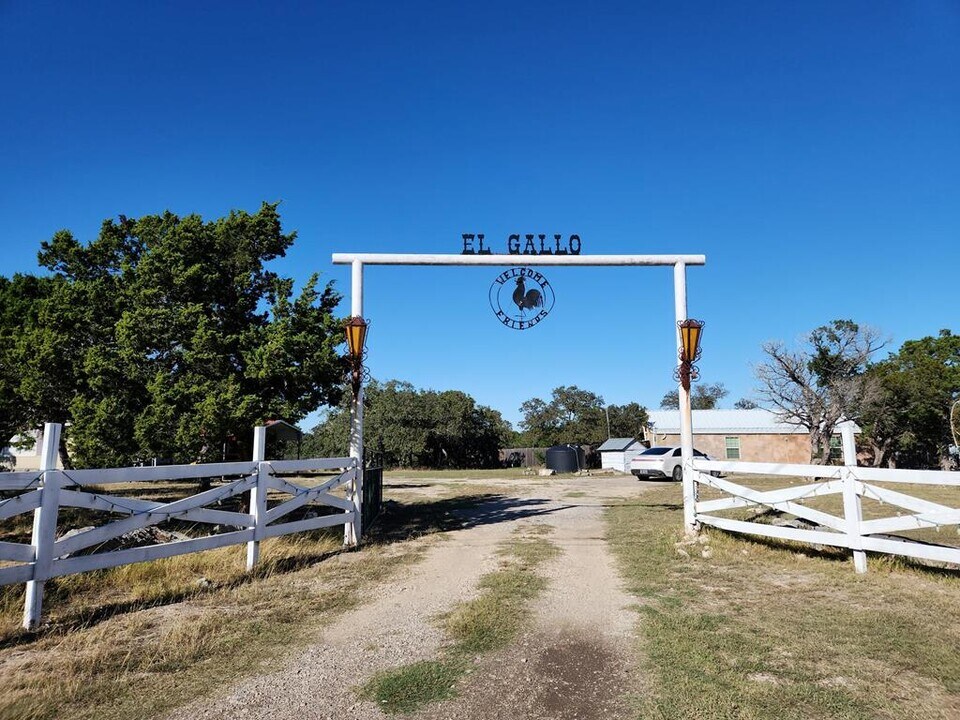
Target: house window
x=836 y=449
x=733 y=448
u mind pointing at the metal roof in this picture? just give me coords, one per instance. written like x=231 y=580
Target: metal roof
x=284 y=430
x=616 y=444
x=746 y=422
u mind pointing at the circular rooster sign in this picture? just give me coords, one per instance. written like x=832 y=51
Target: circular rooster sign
x=521 y=297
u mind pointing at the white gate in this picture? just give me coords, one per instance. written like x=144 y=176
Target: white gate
x=45 y=491
x=847 y=529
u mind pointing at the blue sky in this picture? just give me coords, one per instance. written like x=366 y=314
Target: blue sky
x=810 y=150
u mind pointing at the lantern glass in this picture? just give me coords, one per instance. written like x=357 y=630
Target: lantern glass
x=690 y=331
x=356 y=329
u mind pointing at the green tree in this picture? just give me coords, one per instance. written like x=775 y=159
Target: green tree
x=168 y=336
x=745 y=404
x=821 y=382
x=906 y=419
x=627 y=420
x=19 y=304
x=573 y=415
x=704 y=396
x=578 y=416
x=540 y=425
x=407 y=427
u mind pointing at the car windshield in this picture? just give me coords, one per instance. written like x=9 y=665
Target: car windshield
x=656 y=451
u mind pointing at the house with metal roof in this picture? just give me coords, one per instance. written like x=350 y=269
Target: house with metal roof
x=756 y=435
x=616 y=453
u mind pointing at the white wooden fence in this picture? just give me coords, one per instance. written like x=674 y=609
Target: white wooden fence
x=45 y=491
x=848 y=530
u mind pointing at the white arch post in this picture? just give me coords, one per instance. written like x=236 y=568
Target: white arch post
x=686 y=413
x=679 y=264
x=352 y=532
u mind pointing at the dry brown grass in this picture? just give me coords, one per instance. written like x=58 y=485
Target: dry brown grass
x=136 y=658
x=139 y=640
x=734 y=627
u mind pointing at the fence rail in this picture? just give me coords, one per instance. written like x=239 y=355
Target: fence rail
x=845 y=530
x=44 y=492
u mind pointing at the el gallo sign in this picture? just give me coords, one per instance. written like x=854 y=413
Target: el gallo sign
x=528 y=244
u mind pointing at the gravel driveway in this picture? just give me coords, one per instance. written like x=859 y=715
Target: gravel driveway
x=573 y=662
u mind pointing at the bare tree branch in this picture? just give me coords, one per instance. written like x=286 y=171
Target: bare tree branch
x=822 y=382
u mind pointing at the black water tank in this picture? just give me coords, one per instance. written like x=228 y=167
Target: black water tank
x=565 y=458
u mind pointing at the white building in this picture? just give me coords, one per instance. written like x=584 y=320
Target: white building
x=616 y=453
x=27 y=455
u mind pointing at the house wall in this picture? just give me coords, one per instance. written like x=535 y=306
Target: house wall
x=774 y=448
x=27 y=457
x=24 y=463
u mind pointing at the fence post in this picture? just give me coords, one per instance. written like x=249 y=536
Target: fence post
x=258 y=495
x=358 y=504
x=352 y=531
x=852 y=510
x=44 y=524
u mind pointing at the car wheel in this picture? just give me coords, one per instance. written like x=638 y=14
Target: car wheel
x=678 y=473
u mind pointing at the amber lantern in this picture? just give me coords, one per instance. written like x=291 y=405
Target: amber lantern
x=690 y=332
x=356 y=329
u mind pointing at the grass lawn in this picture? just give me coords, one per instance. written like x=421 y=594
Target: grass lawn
x=733 y=627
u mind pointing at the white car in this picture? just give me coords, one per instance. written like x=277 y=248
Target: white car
x=662 y=462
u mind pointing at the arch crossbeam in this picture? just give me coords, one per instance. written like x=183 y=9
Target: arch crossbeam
x=514 y=259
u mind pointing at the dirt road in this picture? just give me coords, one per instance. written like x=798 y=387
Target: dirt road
x=572 y=662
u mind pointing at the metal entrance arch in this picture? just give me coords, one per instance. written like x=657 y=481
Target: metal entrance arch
x=678 y=262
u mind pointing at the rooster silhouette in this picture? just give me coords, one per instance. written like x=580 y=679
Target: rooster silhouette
x=528 y=300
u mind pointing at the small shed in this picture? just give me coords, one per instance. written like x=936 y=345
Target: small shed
x=616 y=453
x=286 y=433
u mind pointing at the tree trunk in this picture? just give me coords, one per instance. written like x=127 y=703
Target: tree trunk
x=819 y=447
x=824 y=450
x=64 y=453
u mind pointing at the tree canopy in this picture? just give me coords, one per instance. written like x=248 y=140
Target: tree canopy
x=167 y=337
x=573 y=415
x=703 y=396
x=906 y=419
x=407 y=427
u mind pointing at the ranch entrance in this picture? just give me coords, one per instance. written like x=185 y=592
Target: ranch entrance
x=236 y=510
x=853 y=508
